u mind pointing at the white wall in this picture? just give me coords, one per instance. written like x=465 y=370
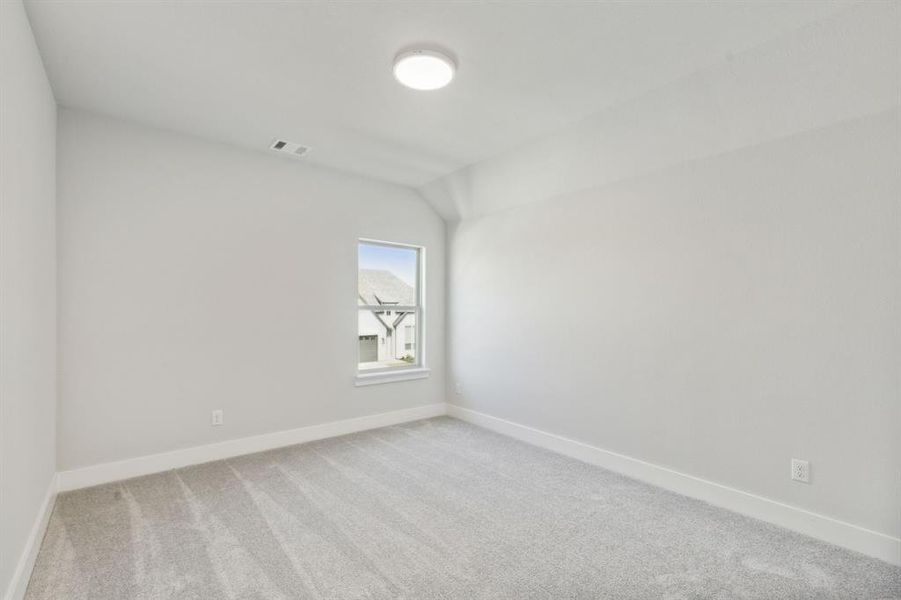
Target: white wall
x=27 y=286
x=196 y=276
x=714 y=298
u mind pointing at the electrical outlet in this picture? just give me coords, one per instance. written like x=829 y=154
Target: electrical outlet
x=458 y=388
x=800 y=470
x=217 y=418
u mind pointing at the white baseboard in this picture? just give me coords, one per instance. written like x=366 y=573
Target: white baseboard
x=19 y=582
x=156 y=463
x=840 y=533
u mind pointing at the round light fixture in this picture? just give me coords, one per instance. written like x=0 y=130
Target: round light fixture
x=424 y=69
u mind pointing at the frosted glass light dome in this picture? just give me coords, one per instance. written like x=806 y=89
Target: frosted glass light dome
x=424 y=69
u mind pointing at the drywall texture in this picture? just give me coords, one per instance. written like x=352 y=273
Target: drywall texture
x=27 y=286
x=195 y=276
x=719 y=318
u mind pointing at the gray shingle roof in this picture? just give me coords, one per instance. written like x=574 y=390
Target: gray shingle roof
x=384 y=287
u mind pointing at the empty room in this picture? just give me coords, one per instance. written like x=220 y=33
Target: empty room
x=450 y=299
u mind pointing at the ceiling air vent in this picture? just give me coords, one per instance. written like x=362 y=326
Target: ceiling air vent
x=290 y=148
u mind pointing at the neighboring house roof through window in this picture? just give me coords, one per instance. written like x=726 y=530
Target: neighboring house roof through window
x=384 y=287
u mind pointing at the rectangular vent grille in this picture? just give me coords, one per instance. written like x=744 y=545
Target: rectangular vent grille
x=290 y=148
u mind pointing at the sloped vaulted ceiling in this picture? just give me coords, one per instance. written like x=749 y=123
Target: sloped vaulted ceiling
x=844 y=66
x=319 y=73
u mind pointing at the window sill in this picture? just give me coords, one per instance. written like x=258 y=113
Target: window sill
x=392 y=376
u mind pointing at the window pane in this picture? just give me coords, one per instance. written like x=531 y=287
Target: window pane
x=387 y=275
x=388 y=278
x=387 y=341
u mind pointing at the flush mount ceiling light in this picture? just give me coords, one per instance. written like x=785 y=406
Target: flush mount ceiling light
x=424 y=69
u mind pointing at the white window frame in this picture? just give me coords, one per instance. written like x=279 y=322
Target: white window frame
x=418 y=369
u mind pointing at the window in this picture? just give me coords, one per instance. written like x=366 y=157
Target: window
x=389 y=307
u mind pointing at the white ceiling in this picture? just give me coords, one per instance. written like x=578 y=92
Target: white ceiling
x=319 y=73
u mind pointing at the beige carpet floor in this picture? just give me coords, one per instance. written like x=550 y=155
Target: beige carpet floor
x=426 y=510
